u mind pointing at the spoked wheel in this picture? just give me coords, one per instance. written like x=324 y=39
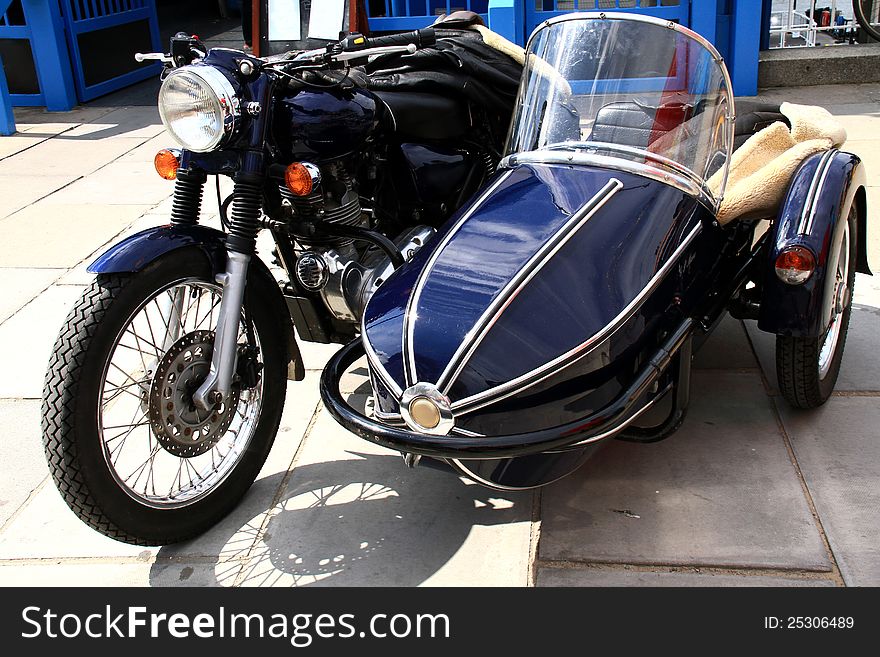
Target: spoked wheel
x=867 y=13
x=807 y=368
x=131 y=453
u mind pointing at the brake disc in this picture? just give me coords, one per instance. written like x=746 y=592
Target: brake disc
x=181 y=427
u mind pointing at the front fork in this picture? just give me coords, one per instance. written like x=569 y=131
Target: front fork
x=240 y=248
x=241 y=242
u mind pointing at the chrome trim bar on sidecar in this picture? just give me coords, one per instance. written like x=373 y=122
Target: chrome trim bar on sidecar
x=673 y=174
x=536 y=376
x=475 y=336
x=410 y=375
x=601 y=424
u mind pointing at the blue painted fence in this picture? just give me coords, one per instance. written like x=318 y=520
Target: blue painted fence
x=405 y=15
x=83 y=17
x=54 y=29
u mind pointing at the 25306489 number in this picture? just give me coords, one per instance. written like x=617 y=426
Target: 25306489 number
x=809 y=622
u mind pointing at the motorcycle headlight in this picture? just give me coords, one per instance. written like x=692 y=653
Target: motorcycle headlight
x=198 y=107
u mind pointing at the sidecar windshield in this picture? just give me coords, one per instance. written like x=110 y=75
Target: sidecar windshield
x=626 y=91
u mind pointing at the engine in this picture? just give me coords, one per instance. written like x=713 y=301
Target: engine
x=344 y=271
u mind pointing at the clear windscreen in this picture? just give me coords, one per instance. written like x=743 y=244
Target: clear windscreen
x=618 y=88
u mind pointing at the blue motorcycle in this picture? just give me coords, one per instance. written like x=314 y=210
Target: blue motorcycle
x=517 y=303
x=167 y=383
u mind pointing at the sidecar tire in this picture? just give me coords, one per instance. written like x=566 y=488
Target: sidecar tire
x=71 y=437
x=798 y=370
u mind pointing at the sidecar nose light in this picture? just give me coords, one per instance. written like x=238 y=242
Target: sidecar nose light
x=167 y=162
x=426 y=410
x=795 y=264
x=301 y=178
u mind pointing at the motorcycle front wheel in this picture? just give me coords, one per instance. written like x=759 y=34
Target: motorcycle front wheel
x=132 y=456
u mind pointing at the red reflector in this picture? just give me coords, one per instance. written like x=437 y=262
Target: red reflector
x=795 y=265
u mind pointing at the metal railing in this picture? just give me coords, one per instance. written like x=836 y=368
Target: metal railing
x=809 y=23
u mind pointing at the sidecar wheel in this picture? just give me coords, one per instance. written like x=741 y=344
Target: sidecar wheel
x=119 y=375
x=807 y=368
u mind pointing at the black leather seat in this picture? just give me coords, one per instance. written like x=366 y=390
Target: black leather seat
x=624 y=122
x=636 y=124
x=424 y=116
x=752 y=117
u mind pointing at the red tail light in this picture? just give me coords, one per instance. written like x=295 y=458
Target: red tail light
x=795 y=265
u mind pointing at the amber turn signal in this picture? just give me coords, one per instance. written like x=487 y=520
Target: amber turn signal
x=795 y=264
x=301 y=178
x=167 y=163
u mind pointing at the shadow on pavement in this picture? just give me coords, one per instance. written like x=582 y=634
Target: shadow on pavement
x=353 y=522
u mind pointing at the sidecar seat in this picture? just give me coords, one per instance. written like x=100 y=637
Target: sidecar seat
x=638 y=124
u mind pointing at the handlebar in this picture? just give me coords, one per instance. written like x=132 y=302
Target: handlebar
x=420 y=38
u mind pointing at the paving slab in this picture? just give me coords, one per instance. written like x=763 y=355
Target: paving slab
x=873 y=197
x=61 y=156
x=826 y=95
x=21 y=285
x=101 y=573
x=838 y=450
x=47 y=529
x=234 y=536
x=22 y=464
x=861 y=358
x=66 y=574
x=353 y=514
x=866 y=291
x=126 y=122
x=27 y=339
x=38 y=120
x=726 y=348
x=620 y=577
x=12 y=144
x=119 y=183
x=19 y=191
x=867 y=150
x=48 y=235
x=722 y=491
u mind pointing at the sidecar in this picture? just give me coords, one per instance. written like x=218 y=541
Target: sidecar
x=561 y=307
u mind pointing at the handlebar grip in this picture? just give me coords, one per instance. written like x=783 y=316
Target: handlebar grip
x=421 y=38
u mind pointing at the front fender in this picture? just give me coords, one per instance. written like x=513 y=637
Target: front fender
x=816 y=207
x=134 y=253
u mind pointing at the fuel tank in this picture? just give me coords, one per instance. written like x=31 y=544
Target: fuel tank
x=536 y=305
x=316 y=125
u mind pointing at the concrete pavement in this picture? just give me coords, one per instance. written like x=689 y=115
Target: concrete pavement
x=748 y=492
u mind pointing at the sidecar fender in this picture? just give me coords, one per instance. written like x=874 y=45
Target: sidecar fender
x=813 y=214
x=134 y=253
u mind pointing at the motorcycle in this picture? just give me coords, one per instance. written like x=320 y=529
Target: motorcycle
x=556 y=309
x=633 y=209
x=167 y=382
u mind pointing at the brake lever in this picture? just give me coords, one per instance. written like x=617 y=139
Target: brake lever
x=158 y=56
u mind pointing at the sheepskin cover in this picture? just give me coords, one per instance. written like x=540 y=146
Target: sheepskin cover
x=761 y=169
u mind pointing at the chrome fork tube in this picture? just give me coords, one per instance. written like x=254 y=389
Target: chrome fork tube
x=217 y=386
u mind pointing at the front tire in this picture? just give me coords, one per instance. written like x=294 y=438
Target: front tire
x=104 y=370
x=807 y=368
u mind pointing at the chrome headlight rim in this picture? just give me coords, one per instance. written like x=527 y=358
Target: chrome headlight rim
x=226 y=98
